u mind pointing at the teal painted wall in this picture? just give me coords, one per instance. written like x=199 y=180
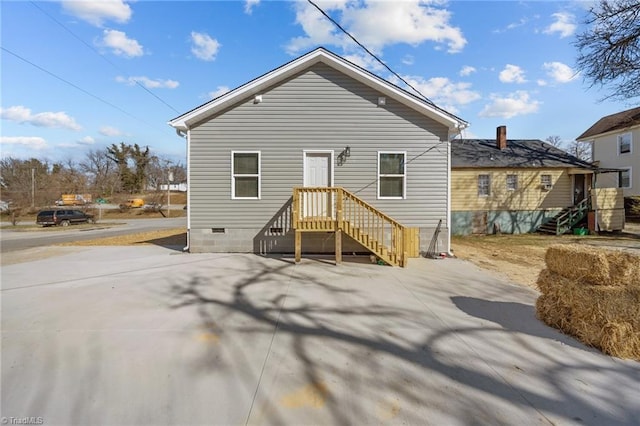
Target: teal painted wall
x=509 y=222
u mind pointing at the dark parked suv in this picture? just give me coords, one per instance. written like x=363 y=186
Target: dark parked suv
x=62 y=217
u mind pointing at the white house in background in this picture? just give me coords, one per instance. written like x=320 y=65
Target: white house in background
x=615 y=140
x=178 y=187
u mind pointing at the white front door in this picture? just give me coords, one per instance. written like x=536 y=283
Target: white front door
x=317 y=173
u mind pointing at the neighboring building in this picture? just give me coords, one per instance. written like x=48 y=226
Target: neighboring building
x=512 y=186
x=615 y=141
x=317 y=121
x=178 y=187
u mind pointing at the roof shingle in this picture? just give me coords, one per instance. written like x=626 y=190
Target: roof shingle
x=526 y=153
x=619 y=120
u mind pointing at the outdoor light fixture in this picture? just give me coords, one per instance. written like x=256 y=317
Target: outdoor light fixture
x=342 y=157
x=382 y=101
x=257 y=99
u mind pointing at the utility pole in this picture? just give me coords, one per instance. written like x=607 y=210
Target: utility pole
x=33 y=187
x=169 y=179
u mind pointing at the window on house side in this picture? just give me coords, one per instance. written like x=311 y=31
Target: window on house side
x=392 y=173
x=624 y=179
x=624 y=143
x=545 y=181
x=245 y=175
x=484 y=185
x=512 y=182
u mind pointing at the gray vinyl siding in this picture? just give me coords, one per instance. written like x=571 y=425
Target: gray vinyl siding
x=319 y=109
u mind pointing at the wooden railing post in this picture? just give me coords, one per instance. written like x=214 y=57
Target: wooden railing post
x=296 y=207
x=338 y=233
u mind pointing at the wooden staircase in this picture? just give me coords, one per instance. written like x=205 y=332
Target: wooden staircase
x=565 y=219
x=334 y=209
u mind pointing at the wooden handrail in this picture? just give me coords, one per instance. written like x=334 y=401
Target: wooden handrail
x=336 y=209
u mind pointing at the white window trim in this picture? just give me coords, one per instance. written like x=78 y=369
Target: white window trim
x=488 y=194
x=542 y=183
x=630 y=169
x=403 y=175
x=516 y=181
x=630 y=143
x=233 y=176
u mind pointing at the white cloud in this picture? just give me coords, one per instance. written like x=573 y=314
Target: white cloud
x=444 y=92
x=21 y=114
x=377 y=24
x=408 y=60
x=365 y=61
x=564 y=24
x=249 y=5
x=511 y=26
x=96 y=12
x=204 y=47
x=561 y=73
x=220 y=90
x=467 y=70
x=148 y=83
x=109 y=131
x=121 y=44
x=541 y=82
x=34 y=142
x=517 y=103
x=512 y=74
x=87 y=140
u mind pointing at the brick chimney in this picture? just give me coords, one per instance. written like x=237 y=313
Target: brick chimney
x=501 y=137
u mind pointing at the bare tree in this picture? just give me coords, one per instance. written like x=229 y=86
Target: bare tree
x=582 y=150
x=101 y=172
x=555 y=141
x=26 y=182
x=609 y=50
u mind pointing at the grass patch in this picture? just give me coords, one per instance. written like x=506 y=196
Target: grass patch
x=38 y=228
x=164 y=237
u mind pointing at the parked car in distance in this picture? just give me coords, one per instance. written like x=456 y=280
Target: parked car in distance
x=63 y=217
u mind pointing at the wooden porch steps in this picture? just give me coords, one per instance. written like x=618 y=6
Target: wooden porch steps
x=334 y=209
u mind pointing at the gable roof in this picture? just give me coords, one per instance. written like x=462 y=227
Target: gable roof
x=617 y=121
x=255 y=86
x=525 y=153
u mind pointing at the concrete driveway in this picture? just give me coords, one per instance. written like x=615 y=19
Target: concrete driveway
x=145 y=335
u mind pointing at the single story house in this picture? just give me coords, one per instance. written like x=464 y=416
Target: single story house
x=512 y=185
x=320 y=147
x=612 y=141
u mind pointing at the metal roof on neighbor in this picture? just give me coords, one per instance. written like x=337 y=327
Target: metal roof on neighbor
x=518 y=153
x=617 y=121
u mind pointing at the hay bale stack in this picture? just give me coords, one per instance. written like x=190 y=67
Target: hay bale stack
x=594 y=295
x=593 y=265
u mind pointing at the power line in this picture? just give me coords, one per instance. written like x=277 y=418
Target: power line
x=429 y=101
x=102 y=56
x=74 y=85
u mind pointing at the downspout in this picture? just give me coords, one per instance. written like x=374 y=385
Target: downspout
x=188 y=138
x=449 y=252
x=458 y=132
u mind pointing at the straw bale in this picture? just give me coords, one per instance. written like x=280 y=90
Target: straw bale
x=595 y=266
x=624 y=268
x=578 y=262
x=606 y=317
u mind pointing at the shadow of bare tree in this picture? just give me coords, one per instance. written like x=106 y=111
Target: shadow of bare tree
x=360 y=344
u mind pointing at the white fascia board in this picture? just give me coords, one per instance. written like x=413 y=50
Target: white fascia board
x=185 y=121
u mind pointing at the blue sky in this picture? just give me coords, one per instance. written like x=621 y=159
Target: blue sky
x=129 y=67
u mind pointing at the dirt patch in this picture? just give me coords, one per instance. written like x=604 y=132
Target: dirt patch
x=520 y=258
x=31 y=255
x=176 y=237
